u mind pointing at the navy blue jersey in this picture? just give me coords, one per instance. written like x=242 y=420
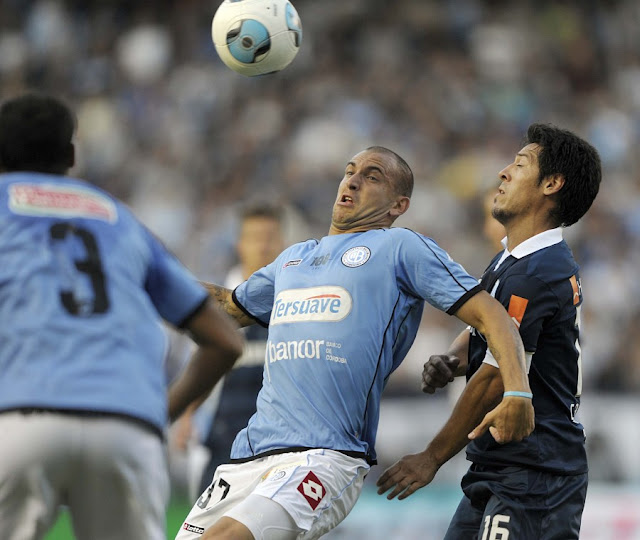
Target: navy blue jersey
x=540 y=286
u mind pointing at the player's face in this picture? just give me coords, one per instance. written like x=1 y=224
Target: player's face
x=520 y=194
x=367 y=198
x=259 y=243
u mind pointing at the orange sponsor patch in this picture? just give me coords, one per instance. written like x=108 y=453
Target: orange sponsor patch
x=517 y=307
x=576 y=289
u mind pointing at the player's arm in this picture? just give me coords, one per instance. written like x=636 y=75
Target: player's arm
x=513 y=418
x=482 y=393
x=441 y=369
x=224 y=298
x=219 y=345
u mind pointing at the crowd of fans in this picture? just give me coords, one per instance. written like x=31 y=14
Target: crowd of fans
x=451 y=86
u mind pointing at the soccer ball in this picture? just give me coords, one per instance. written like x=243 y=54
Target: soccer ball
x=255 y=37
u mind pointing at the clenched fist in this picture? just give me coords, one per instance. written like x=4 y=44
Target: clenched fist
x=439 y=371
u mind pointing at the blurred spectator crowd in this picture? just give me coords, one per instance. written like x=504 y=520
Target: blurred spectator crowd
x=451 y=86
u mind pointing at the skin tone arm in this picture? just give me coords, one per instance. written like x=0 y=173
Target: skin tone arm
x=223 y=297
x=513 y=418
x=219 y=345
x=414 y=471
x=482 y=393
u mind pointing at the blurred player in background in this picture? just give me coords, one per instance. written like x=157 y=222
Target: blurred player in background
x=342 y=313
x=83 y=289
x=259 y=242
x=534 y=488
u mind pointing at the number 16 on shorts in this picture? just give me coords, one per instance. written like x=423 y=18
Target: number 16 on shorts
x=493 y=528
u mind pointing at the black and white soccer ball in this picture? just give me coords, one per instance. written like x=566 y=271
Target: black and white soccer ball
x=255 y=37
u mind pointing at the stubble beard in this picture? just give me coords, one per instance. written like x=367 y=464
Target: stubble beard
x=502 y=216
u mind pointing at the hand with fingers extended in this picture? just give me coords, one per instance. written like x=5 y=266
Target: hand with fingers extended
x=439 y=371
x=408 y=475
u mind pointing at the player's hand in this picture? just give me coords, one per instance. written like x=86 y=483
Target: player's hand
x=408 y=475
x=439 y=371
x=511 y=421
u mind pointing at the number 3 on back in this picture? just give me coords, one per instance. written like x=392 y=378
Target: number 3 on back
x=91 y=266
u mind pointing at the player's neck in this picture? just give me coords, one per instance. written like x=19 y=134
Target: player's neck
x=520 y=231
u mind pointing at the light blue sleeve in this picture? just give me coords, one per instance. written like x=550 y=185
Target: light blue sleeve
x=427 y=271
x=255 y=296
x=173 y=289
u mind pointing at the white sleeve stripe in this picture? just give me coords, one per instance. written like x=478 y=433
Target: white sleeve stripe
x=489 y=359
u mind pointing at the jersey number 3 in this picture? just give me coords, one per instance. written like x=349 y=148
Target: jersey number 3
x=91 y=265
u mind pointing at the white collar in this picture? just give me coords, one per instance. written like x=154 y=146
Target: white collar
x=541 y=240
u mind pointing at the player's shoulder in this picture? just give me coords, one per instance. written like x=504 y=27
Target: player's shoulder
x=31 y=192
x=295 y=252
x=403 y=237
x=549 y=270
x=404 y=233
x=302 y=246
x=552 y=263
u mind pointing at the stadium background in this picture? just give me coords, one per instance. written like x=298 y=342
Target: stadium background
x=451 y=86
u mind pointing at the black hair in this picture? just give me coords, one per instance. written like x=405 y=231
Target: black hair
x=404 y=185
x=35 y=134
x=563 y=153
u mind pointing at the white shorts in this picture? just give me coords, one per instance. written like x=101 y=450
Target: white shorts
x=111 y=473
x=317 y=488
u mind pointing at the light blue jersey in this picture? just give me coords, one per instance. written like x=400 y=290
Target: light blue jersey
x=342 y=314
x=84 y=287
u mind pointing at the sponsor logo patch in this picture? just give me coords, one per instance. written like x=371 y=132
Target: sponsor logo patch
x=316 y=304
x=312 y=490
x=577 y=290
x=319 y=261
x=60 y=201
x=356 y=256
x=293 y=262
x=192 y=528
x=517 y=307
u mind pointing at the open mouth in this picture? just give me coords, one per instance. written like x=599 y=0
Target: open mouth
x=346 y=199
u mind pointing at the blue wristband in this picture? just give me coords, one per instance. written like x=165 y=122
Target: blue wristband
x=513 y=393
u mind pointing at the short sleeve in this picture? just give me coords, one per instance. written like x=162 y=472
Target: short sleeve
x=256 y=295
x=427 y=271
x=173 y=289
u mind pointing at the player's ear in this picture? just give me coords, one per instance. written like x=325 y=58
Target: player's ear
x=553 y=183
x=400 y=206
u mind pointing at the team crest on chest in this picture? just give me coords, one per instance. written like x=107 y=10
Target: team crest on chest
x=356 y=256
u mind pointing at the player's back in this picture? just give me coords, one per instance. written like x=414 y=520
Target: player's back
x=81 y=301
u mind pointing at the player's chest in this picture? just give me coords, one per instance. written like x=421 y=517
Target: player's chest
x=355 y=268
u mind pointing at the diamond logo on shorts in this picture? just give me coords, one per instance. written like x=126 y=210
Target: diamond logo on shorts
x=312 y=490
